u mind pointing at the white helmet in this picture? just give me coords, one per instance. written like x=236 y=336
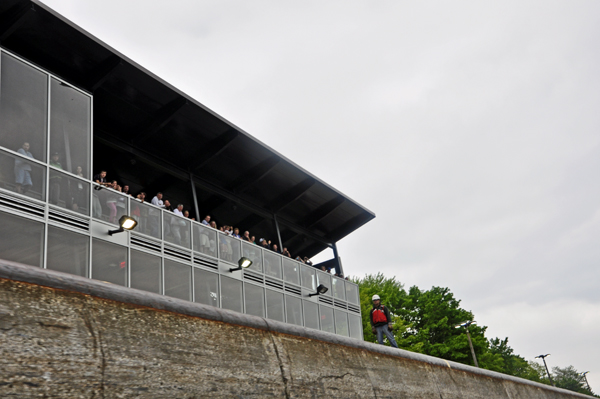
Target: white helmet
x=376 y=297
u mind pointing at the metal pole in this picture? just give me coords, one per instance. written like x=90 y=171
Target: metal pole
x=471 y=345
x=339 y=269
x=545 y=365
x=278 y=233
x=198 y=217
x=586 y=381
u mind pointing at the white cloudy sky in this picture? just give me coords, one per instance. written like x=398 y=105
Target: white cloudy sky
x=471 y=129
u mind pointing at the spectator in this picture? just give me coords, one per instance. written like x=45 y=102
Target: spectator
x=246 y=236
x=141 y=196
x=100 y=178
x=23 y=170
x=55 y=179
x=111 y=203
x=168 y=206
x=263 y=243
x=178 y=211
x=307 y=261
x=206 y=220
x=213 y=224
x=157 y=200
x=236 y=233
x=253 y=240
x=299 y=259
x=126 y=190
x=186 y=214
x=275 y=249
x=78 y=193
x=285 y=252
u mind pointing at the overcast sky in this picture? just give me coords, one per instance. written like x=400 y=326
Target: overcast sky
x=472 y=130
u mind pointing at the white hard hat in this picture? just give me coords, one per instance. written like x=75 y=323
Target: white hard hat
x=376 y=297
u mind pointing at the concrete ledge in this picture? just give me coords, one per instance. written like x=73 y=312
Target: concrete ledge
x=98 y=289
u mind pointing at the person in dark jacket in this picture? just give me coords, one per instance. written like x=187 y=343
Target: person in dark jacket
x=381 y=322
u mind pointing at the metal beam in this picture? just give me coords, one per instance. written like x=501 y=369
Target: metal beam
x=14 y=18
x=211 y=150
x=291 y=195
x=255 y=174
x=351 y=224
x=323 y=211
x=195 y=198
x=159 y=119
x=249 y=222
x=102 y=72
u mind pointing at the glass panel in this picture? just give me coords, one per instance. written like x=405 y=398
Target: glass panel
x=311 y=315
x=291 y=271
x=293 y=309
x=68 y=192
x=109 y=262
x=178 y=280
x=205 y=239
x=108 y=204
x=23 y=108
x=341 y=323
x=255 y=300
x=206 y=287
x=272 y=264
x=68 y=252
x=254 y=253
x=176 y=229
x=355 y=326
x=22 y=240
x=352 y=293
x=326 y=319
x=22 y=176
x=337 y=286
x=145 y=272
x=231 y=294
x=309 y=279
x=147 y=216
x=229 y=249
x=275 y=306
x=325 y=279
x=70 y=128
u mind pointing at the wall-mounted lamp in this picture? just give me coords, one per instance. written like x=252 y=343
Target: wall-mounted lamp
x=321 y=289
x=126 y=223
x=243 y=263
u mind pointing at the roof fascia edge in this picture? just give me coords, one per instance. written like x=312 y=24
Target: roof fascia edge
x=191 y=99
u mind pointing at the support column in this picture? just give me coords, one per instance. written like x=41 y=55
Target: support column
x=338 y=263
x=198 y=217
x=278 y=232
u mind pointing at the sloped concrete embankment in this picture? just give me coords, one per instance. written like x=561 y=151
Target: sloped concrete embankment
x=62 y=336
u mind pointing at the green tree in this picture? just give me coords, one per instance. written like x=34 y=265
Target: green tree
x=431 y=317
x=514 y=364
x=569 y=378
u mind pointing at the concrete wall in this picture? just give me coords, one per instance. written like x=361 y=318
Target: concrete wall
x=62 y=336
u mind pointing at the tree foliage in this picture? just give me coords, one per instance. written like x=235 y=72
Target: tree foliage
x=425 y=322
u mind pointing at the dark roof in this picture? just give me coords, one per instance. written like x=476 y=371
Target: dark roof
x=139 y=117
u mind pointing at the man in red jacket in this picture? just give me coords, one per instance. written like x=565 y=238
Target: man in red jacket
x=381 y=322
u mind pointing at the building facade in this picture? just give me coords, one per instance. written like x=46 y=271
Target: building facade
x=53 y=216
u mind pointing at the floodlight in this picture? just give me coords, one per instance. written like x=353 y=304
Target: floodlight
x=465 y=324
x=243 y=263
x=321 y=289
x=125 y=223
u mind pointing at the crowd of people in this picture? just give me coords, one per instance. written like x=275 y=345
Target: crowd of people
x=159 y=201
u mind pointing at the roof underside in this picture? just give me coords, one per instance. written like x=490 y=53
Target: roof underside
x=154 y=137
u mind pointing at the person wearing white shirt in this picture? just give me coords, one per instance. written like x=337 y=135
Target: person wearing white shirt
x=157 y=200
x=179 y=210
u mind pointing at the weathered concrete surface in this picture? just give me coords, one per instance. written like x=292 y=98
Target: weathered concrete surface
x=62 y=336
